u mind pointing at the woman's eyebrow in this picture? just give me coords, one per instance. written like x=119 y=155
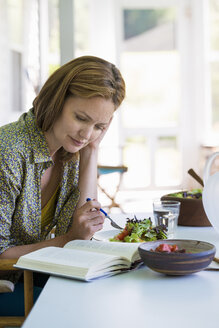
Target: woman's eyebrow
x=85 y=114
x=90 y=118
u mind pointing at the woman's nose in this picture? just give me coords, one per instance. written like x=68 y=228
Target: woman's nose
x=86 y=133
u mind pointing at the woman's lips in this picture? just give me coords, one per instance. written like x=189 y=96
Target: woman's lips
x=76 y=142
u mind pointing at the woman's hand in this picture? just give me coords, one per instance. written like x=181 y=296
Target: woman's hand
x=96 y=142
x=86 y=221
x=88 y=168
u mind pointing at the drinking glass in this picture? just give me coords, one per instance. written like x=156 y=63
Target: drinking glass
x=167 y=212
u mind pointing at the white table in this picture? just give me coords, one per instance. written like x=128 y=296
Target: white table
x=141 y=298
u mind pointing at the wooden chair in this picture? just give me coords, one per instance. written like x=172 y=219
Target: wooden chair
x=7 y=264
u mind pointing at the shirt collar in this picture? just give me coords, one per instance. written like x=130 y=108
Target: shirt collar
x=39 y=144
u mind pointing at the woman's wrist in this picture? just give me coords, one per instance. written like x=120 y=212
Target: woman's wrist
x=66 y=238
x=88 y=157
x=87 y=152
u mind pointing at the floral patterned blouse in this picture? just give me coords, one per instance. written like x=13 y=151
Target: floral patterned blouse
x=24 y=157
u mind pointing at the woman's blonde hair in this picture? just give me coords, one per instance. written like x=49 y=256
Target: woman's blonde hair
x=84 y=77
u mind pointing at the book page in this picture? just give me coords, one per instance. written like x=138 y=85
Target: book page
x=74 y=262
x=6 y=286
x=127 y=250
x=70 y=257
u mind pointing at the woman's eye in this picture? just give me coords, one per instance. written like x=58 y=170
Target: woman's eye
x=99 y=127
x=79 y=118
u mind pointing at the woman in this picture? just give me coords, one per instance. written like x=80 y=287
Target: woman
x=48 y=158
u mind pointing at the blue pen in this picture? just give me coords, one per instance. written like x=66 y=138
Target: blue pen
x=114 y=224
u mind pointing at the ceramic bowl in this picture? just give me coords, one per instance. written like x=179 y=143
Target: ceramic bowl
x=198 y=256
x=192 y=212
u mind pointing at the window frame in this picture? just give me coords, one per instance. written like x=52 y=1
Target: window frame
x=195 y=103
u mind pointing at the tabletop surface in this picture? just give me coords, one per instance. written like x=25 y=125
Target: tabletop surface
x=141 y=298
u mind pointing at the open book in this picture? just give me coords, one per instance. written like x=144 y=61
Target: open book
x=83 y=259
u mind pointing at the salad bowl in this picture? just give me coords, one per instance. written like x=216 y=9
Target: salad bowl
x=192 y=212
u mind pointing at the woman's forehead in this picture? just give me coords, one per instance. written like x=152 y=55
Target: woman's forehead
x=96 y=108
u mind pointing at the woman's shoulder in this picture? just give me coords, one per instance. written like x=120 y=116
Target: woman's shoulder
x=13 y=129
x=14 y=137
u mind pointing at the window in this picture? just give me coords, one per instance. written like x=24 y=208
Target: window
x=81 y=27
x=159 y=47
x=168 y=52
x=15 y=27
x=53 y=36
x=150 y=62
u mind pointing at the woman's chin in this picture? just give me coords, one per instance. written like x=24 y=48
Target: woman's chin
x=71 y=149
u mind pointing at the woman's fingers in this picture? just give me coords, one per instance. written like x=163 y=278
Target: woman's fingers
x=98 y=219
x=87 y=220
x=92 y=204
x=96 y=216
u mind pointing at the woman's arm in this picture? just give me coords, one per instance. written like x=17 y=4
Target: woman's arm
x=17 y=251
x=86 y=222
x=88 y=169
x=87 y=175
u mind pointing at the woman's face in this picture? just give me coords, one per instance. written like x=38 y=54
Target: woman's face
x=81 y=122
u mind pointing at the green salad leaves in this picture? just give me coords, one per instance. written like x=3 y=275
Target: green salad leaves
x=194 y=193
x=136 y=231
